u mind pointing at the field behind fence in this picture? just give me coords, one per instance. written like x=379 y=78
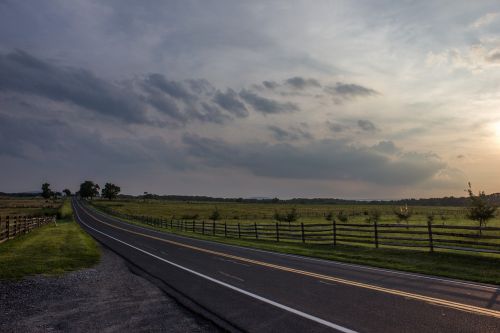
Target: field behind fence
x=443 y=233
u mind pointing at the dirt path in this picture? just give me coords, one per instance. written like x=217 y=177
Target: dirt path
x=107 y=298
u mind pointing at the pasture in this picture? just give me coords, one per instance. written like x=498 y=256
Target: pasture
x=355 y=241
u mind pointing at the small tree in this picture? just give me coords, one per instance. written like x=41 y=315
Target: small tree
x=373 y=216
x=480 y=209
x=290 y=216
x=342 y=216
x=67 y=192
x=88 y=189
x=110 y=191
x=403 y=214
x=46 y=191
x=329 y=216
x=215 y=215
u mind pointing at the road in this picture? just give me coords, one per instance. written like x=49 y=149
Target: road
x=259 y=291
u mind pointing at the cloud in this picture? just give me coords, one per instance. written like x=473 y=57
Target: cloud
x=266 y=105
x=293 y=134
x=23 y=73
x=173 y=88
x=231 y=103
x=298 y=82
x=367 y=125
x=485 y=20
x=350 y=90
x=336 y=127
x=322 y=160
x=270 y=84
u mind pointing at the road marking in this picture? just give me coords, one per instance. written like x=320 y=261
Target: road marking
x=428 y=299
x=232 y=261
x=231 y=276
x=325 y=261
x=247 y=293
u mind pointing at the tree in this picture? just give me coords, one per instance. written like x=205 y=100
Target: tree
x=89 y=190
x=215 y=215
x=329 y=216
x=46 y=191
x=480 y=209
x=403 y=214
x=110 y=191
x=67 y=192
x=342 y=216
x=373 y=216
x=290 y=216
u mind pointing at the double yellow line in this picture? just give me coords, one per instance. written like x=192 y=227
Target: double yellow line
x=431 y=300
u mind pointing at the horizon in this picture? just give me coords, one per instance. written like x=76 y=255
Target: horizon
x=228 y=99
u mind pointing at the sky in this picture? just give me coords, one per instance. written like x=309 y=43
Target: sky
x=344 y=99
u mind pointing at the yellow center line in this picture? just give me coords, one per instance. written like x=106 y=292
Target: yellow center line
x=431 y=300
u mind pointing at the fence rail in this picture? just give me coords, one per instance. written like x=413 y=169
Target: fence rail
x=430 y=236
x=13 y=226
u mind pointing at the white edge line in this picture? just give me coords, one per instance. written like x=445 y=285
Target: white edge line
x=326 y=261
x=247 y=293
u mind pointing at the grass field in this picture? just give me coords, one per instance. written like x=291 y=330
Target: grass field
x=263 y=212
x=49 y=249
x=481 y=267
x=28 y=206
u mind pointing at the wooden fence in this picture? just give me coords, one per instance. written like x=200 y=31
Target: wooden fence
x=12 y=226
x=429 y=236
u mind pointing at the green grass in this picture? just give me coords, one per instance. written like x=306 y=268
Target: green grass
x=263 y=212
x=473 y=267
x=49 y=250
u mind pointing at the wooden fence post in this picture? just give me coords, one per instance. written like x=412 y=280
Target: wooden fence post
x=303 y=235
x=193 y=226
x=7 y=227
x=203 y=227
x=334 y=233
x=239 y=230
x=431 y=242
x=277 y=232
x=225 y=229
x=256 y=232
x=375 y=225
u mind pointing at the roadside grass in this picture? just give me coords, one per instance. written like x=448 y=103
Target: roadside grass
x=484 y=268
x=49 y=250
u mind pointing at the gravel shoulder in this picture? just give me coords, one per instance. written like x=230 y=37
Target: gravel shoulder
x=106 y=298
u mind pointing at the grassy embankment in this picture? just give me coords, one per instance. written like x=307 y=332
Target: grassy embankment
x=467 y=266
x=49 y=250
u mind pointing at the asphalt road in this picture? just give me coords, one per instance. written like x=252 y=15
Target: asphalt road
x=252 y=290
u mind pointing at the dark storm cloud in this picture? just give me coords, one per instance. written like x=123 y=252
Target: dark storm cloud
x=325 y=159
x=266 y=105
x=18 y=136
x=173 y=88
x=291 y=134
x=230 y=101
x=166 y=105
x=23 y=73
x=270 y=84
x=298 y=82
x=350 y=90
x=35 y=139
x=367 y=125
x=177 y=102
